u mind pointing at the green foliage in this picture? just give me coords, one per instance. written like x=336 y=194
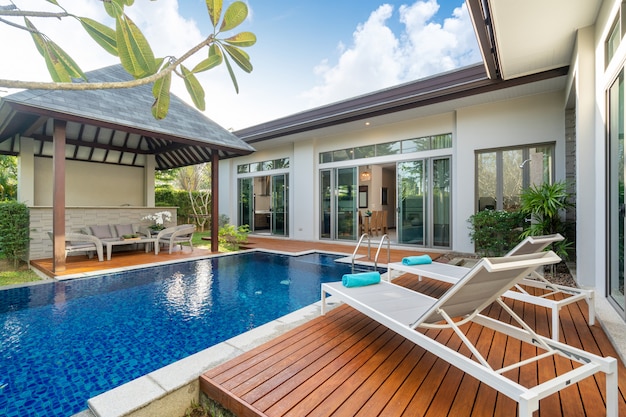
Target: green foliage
x=546 y=205
x=128 y=43
x=168 y=197
x=14 y=231
x=8 y=177
x=231 y=236
x=495 y=232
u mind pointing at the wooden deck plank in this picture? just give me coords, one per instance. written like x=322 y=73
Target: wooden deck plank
x=395 y=378
x=308 y=368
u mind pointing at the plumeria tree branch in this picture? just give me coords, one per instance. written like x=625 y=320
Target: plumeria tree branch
x=128 y=43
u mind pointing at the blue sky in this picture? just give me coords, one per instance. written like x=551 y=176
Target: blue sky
x=308 y=53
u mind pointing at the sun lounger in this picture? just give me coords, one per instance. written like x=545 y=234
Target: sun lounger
x=409 y=312
x=532 y=244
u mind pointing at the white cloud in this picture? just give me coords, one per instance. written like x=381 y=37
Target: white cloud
x=375 y=58
x=378 y=58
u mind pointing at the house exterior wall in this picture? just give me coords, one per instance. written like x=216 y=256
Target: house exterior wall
x=521 y=121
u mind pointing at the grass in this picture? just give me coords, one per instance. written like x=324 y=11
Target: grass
x=10 y=276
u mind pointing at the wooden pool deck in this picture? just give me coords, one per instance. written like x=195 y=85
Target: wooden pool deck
x=80 y=264
x=345 y=364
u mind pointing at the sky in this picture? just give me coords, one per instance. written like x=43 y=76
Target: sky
x=308 y=53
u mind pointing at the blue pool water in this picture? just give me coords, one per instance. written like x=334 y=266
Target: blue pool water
x=65 y=342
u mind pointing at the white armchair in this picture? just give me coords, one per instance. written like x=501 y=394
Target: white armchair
x=79 y=242
x=176 y=235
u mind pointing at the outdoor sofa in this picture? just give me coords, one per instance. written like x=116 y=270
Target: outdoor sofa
x=114 y=235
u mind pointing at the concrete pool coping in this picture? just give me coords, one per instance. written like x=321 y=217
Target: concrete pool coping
x=170 y=390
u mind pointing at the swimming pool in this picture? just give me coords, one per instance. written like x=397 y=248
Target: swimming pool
x=65 y=342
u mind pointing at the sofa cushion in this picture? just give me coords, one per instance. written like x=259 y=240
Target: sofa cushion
x=124 y=229
x=101 y=232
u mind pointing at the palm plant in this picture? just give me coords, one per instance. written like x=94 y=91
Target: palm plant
x=546 y=204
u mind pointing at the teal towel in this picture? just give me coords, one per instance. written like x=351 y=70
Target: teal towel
x=360 y=280
x=417 y=260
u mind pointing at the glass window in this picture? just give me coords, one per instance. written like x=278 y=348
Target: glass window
x=326 y=157
x=613 y=41
x=486 y=178
x=389 y=148
x=501 y=175
x=364 y=152
x=242 y=169
x=441 y=141
x=415 y=145
x=257 y=166
x=343 y=155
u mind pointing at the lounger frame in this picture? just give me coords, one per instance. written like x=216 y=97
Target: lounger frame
x=532 y=244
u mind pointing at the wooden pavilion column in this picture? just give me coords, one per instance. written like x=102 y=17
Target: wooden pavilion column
x=58 y=196
x=215 y=161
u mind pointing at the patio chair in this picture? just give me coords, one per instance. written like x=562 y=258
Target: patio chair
x=564 y=295
x=409 y=313
x=79 y=242
x=176 y=235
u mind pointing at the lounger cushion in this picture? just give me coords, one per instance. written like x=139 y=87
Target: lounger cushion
x=101 y=232
x=124 y=229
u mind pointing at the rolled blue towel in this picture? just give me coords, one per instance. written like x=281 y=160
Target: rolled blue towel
x=361 y=279
x=417 y=260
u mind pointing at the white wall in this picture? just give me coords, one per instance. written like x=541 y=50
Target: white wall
x=91 y=184
x=528 y=120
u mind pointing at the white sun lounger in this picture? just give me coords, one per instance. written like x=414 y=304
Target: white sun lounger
x=403 y=311
x=532 y=244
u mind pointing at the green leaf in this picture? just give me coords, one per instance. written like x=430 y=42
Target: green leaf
x=215 y=10
x=61 y=66
x=242 y=39
x=240 y=57
x=53 y=2
x=161 y=93
x=234 y=16
x=64 y=61
x=37 y=38
x=102 y=34
x=134 y=50
x=194 y=89
x=211 y=62
x=232 y=74
x=114 y=8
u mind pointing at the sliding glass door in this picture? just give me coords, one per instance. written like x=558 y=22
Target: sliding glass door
x=279 y=205
x=338 y=204
x=424 y=209
x=412 y=198
x=617 y=206
x=264 y=204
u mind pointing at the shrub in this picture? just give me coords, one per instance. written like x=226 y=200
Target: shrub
x=495 y=232
x=231 y=236
x=14 y=231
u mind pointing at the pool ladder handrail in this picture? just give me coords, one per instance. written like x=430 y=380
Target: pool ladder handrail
x=369 y=249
